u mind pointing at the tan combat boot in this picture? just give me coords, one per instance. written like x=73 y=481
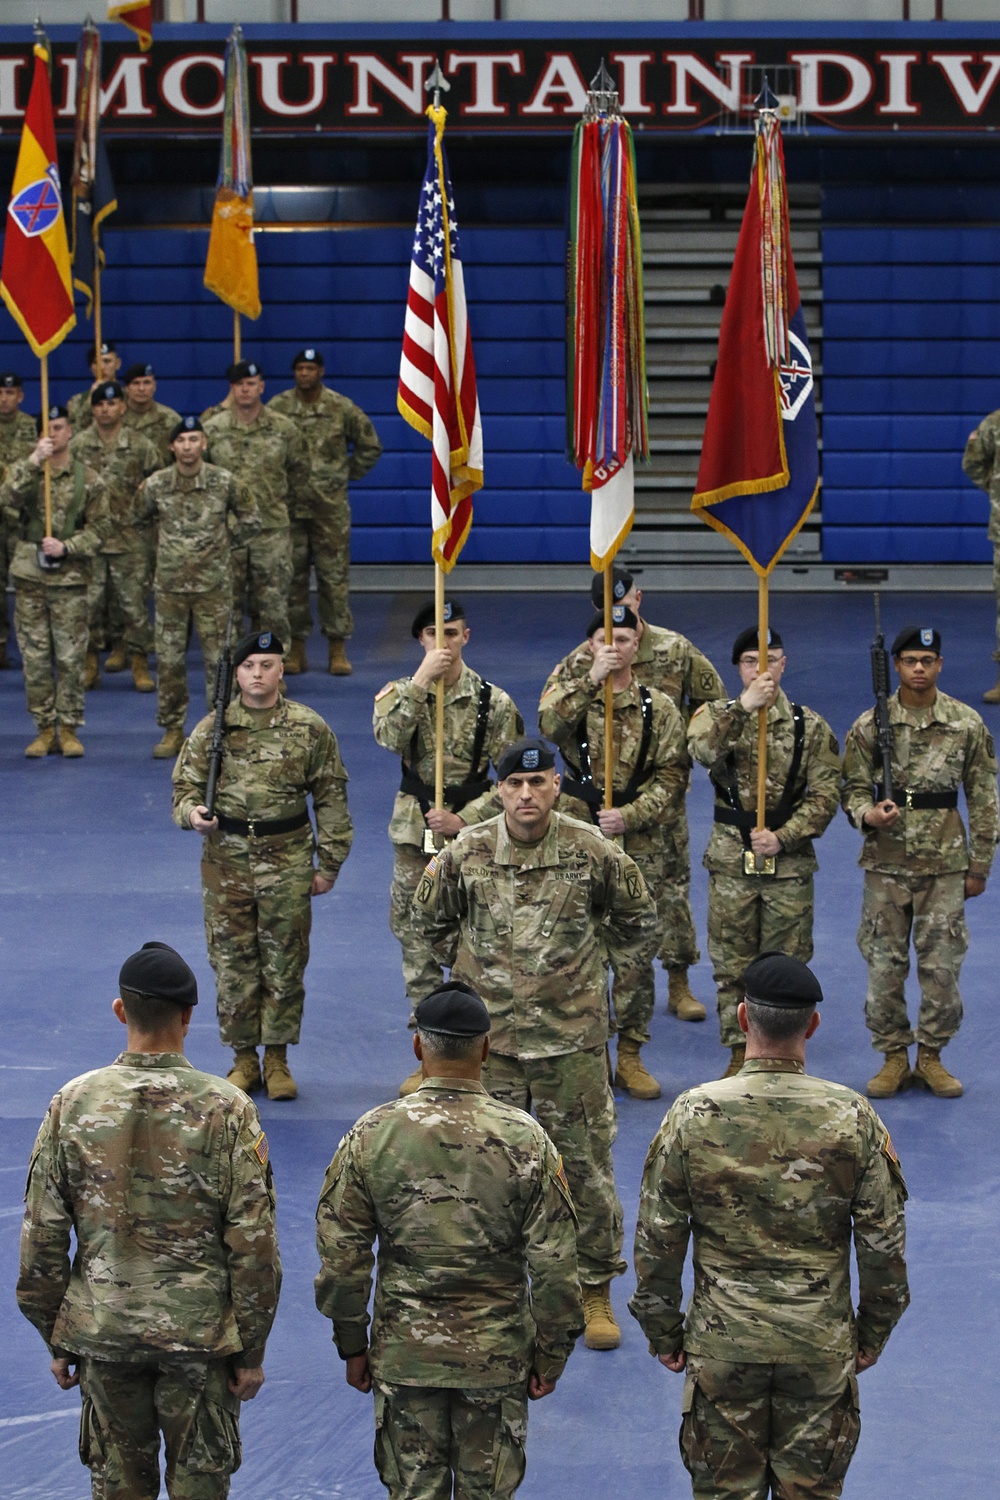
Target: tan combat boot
x=338 y=665
x=739 y=1057
x=893 y=1075
x=680 y=1002
x=601 y=1331
x=116 y=658
x=91 y=672
x=43 y=744
x=411 y=1084
x=245 y=1071
x=140 y=673
x=170 y=746
x=932 y=1074
x=992 y=695
x=69 y=742
x=631 y=1074
x=277 y=1079
x=295 y=659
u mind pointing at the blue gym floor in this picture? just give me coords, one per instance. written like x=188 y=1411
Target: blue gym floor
x=93 y=867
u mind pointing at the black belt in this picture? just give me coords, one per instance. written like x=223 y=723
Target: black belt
x=903 y=797
x=593 y=795
x=260 y=827
x=740 y=818
x=455 y=797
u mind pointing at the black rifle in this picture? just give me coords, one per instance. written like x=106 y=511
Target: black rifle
x=880 y=687
x=220 y=702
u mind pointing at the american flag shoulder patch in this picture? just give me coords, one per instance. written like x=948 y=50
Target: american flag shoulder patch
x=260 y=1149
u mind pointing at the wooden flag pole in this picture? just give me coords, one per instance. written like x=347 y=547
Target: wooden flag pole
x=98 y=336
x=237 y=338
x=609 y=697
x=763 y=655
x=46 y=471
x=439 y=690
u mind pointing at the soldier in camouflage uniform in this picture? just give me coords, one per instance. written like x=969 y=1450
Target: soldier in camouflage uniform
x=267 y=454
x=772 y=1174
x=669 y=662
x=539 y=904
x=480 y=721
x=200 y=514
x=650 y=781
x=257 y=871
x=760 y=889
x=145 y=414
x=18 y=436
x=81 y=413
x=919 y=868
x=50 y=603
x=160 y=1174
x=343 y=445
x=459 y=1343
x=981 y=461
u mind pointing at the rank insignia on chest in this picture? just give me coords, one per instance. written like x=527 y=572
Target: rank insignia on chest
x=260 y=1149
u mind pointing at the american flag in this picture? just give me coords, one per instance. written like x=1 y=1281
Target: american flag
x=437 y=373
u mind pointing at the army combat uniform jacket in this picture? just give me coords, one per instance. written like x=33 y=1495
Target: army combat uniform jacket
x=342 y=443
x=665 y=660
x=80 y=519
x=269 y=456
x=200 y=518
x=468 y=1200
x=18 y=439
x=980 y=462
x=123 y=465
x=161 y=1172
x=155 y=425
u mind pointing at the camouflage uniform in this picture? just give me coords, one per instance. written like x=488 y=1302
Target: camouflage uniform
x=122 y=574
x=915 y=872
x=536 y=926
x=50 y=608
x=18 y=438
x=160 y=1172
x=256 y=886
x=748 y=914
x=79 y=410
x=404 y=710
x=343 y=445
x=155 y=425
x=656 y=804
x=199 y=518
x=772 y=1172
x=269 y=457
x=467 y=1199
x=980 y=461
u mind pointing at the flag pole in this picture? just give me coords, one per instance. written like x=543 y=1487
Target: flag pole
x=439 y=689
x=609 y=697
x=98 y=335
x=46 y=471
x=237 y=337
x=762 y=654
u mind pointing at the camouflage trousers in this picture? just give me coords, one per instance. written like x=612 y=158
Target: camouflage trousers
x=118 y=593
x=996 y=594
x=262 y=576
x=51 y=625
x=426 y=1435
x=6 y=557
x=748 y=914
x=678 y=943
x=572 y=1100
x=931 y=909
x=422 y=969
x=125 y=1409
x=258 y=916
x=749 y=1430
x=633 y=993
x=324 y=539
x=175 y=613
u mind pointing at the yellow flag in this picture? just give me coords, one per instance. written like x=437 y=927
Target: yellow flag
x=231 y=265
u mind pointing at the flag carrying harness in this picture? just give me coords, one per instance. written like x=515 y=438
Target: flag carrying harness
x=581 y=782
x=476 y=784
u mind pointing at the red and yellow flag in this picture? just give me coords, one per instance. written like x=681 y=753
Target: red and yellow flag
x=35 y=278
x=137 y=15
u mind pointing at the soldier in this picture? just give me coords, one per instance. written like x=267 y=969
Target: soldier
x=200 y=513
x=667 y=661
x=105 y=369
x=160 y=1174
x=650 y=781
x=458 y=1345
x=51 y=571
x=760 y=886
x=266 y=453
x=144 y=414
x=534 y=905
x=257 y=871
x=919 y=869
x=122 y=575
x=480 y=721
x=18 y=436
x=343 y=445
x=772 y=1174
x=981 y=461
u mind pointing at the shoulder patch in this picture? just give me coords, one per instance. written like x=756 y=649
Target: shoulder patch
x=834 y=746
x=431 y=866
x=632 y=885
x=562 y=1184
x=889 y=1149
x=260 y=1149
x=990 y=747
x=382 y=693
x=707 y=682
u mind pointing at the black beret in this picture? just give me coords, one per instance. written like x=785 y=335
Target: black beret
x=186 y=424
x=108 y=390
x=777 y=979
x=922 y=637
x=55 y=412
x=747 y=641
x=136 y=372
x=243 y=369
x=258 y=643
x=425 y=616
x=308 y=357
x=526 y=755
x=621 y=582
x=622 y=618
x=106 y=348
x=11 y=382
x=453 y=1009
x=159 y=971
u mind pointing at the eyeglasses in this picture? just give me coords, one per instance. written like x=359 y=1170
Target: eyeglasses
x=918 y=661
x=754 y=661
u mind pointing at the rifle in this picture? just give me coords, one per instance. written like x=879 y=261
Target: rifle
x=880 y=687
x=220 y=702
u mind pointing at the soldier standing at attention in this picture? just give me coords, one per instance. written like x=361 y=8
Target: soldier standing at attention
x=146 y=415
x=50 y=576
x=105 y=369
x=477 y=1304
x=160 y=1173
x=772 y=1174
x=18 y=436
x=343 y=445
x=760 y=886
x=257 y=870
x=533 y=906
x=650 y=782
x=919 y=868
x=480 y=721
x=669 y=662
x=200 y=514
x=267 y=455
x=981 y=462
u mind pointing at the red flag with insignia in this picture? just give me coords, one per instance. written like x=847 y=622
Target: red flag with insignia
x=137 y=15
